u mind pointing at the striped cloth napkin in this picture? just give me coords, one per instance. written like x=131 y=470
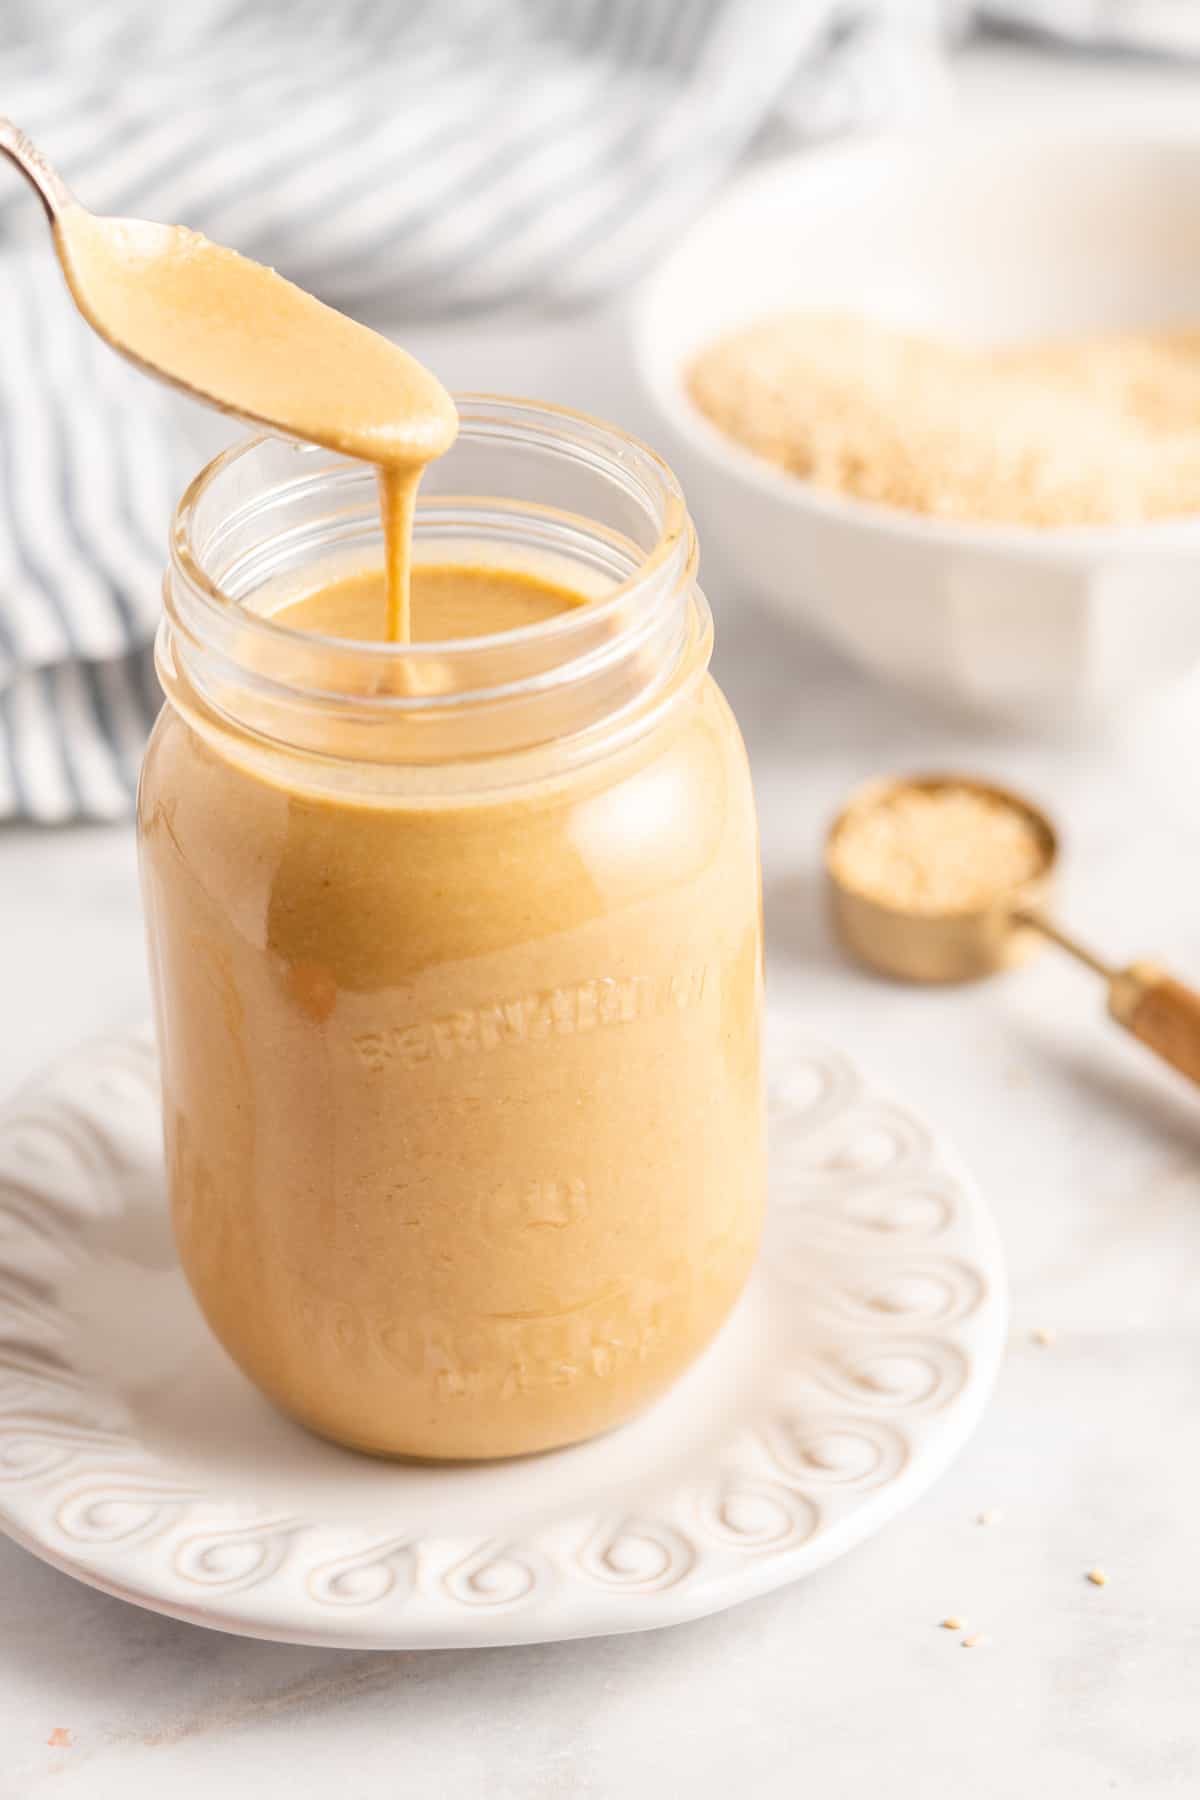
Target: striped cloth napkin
x=397 y=158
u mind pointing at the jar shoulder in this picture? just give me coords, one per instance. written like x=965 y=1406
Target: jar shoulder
x=673 y=826
x=693 y=765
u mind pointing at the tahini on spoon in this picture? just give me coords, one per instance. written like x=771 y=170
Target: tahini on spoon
x=237 y=336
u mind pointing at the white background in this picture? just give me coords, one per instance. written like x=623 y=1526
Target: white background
x=844 y=1685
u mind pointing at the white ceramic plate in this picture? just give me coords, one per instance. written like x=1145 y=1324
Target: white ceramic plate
x=136 y=1457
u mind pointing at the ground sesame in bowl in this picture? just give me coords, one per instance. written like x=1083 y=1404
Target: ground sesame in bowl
x=935 y=397
x=1087 y=430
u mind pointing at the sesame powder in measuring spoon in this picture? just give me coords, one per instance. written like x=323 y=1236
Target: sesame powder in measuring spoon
x=931 y=877
x=938 y=878
x=936 y=849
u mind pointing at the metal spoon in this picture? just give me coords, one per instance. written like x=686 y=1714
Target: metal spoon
x=45 y=181
x=1006 y=929
x=235 y=334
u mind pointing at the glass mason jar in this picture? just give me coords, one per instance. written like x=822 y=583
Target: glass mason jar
x=456 y=950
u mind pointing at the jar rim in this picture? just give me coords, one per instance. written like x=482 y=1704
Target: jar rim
x=586 y=677
x=625 y=452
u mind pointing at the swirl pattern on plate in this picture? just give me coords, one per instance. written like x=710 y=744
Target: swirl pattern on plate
x=385 y=1571
x=637 y=1555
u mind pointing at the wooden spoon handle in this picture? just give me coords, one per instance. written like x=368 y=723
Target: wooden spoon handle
x=1161 y=1012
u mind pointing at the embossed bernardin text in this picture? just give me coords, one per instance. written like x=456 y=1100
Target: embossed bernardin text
x=593 y=1005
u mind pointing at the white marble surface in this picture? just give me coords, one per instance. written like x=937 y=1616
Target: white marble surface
x=1091 y=1451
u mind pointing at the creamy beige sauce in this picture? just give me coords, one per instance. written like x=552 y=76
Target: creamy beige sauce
x=461 y=1084
x=240 y=336
x=462 y=1099
x=448 y=602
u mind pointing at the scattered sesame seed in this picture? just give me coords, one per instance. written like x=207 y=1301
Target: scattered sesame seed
x=973 y=1642
x=1043 y=1334
x=1097 y=1577
x=991 y=1515
x=952 y=1622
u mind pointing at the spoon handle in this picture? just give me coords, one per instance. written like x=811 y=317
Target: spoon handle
x=1162 y=1012
x=45 y=180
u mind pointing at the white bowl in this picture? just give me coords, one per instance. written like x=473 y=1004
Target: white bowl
x=984 y=236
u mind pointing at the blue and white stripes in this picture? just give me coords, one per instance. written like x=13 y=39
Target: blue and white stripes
x=400 y=158
x=396 y=157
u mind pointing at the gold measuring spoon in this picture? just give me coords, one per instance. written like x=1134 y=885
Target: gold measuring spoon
x=236 y=335
x=942 y=878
